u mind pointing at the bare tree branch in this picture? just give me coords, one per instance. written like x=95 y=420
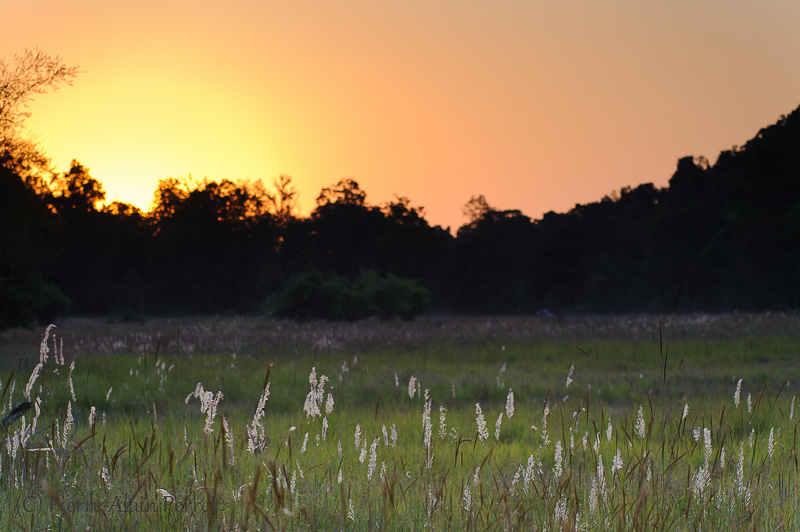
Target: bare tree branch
x=31 y=73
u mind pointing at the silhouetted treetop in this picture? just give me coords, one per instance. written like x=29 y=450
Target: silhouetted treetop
x=401 y=211
x=475 y=208
x=31 y=73
x=225 y=201
x=345 y=191
x=723 y=236
x=283 y=201
x=121 y=209
x=76 y=189
x=169 y=195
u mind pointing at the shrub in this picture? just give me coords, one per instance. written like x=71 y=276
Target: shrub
x=332 y=297
x=395 y=296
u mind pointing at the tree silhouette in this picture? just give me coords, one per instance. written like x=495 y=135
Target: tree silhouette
x=28 y=254
x=724 y=236
x=100 y=248
x=283 y=202
x=218 y=236
x=409 y=247
x=476 y=208
x=344 y=192
x=76 y=190
x=345 y=230
x=28 y=74
x=169 y=196
x=491 y=261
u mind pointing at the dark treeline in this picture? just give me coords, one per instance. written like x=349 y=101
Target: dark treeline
x=720 y=237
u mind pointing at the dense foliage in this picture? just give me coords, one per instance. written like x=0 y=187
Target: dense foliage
x=719 y=237
x=315 y=296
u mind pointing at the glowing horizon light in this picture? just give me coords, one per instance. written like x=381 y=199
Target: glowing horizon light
x=537 y=106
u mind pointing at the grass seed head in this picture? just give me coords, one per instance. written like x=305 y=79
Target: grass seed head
x=510 y=404
x=412 y=387
x=483 y=432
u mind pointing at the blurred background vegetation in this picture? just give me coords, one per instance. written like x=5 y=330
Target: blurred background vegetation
x=720 y=237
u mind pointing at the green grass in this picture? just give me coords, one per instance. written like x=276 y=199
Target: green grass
x=711 y=469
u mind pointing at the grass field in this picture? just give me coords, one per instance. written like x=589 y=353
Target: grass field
x=591 y=423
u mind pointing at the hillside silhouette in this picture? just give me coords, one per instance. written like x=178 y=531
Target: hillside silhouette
x=720 y=237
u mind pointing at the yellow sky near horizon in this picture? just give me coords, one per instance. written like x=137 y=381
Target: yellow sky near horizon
x=536 y=104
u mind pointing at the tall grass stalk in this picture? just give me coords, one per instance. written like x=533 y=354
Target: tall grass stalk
x=595 y=459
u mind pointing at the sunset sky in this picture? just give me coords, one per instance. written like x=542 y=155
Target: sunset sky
x=536 y=104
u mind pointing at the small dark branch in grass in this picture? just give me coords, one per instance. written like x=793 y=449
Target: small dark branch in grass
x=624 y=428
x=79 y=447
x=318 y=465
x=185 y=456
x=250 y=501
x=639 y=463
x=343 y=506
x=721 y=420
x=408 y=488
x=377 y=405
x=758 y=399
x=455 y=456
x=389 y=485
x=287 y=480
x=55 y=499
x=219 y=439
x=623 y=507
x=664 y=355
x=118 y=455
x=675 y=461
x=652 y=418
x=276 y=490
x=689 y=491
x=587 y=404
x=212 y=498
x=138 y=489
x=403 y=463
x=794 y=444
x=602 y=415
x=710 y=420
x=308 y=517
x=487 y=457
x=780 y=390
x=133 y=434
x=153 y=443
x=266 y=378
x=15 y=414
x=5 y=388
x=721 y=444
x=146 y=458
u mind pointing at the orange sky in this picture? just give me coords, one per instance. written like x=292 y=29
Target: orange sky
x=536 y=104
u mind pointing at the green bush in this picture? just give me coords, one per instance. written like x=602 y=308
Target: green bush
x=394 y=296
x=332 y=297
x=30 y=301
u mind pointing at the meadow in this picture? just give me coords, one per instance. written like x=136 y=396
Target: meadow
x=583 y=423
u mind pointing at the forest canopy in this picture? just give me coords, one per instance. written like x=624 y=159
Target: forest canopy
x=720 y=237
